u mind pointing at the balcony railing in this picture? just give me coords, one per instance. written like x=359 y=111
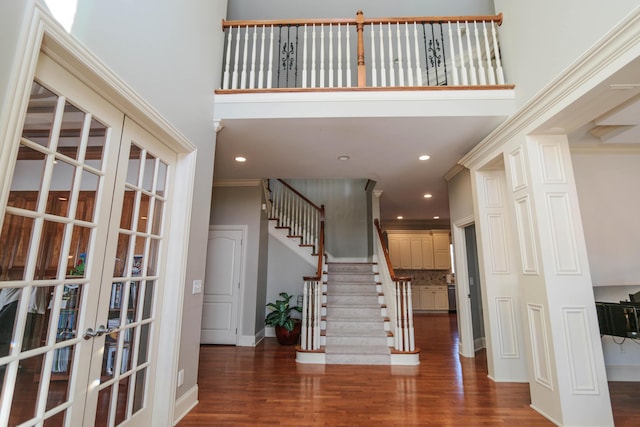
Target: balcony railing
x=332 y=54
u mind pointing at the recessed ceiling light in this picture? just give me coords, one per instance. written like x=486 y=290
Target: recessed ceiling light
x=241 y=159
x=436 y=217
x=400 y=217
x=343 y=157
x=424 y=157
x=427 y=196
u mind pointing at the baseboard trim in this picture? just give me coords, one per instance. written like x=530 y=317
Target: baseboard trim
x=185 y=404
x=630 y=373
x=405 y=359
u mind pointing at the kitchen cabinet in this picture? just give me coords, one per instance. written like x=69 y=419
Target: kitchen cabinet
x=419 y=250
x=430 y=297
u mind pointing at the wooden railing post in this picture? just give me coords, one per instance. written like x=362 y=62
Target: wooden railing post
x=362 y=71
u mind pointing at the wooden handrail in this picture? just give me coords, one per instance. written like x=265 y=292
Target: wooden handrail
x=297 y=193
x=386 y=254
x=366 y=21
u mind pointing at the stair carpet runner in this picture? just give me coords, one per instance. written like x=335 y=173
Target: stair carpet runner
x=355 y=328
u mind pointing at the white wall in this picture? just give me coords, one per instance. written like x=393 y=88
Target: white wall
x=278 y=9
x=169 y=52
x=539 y=39
x=460 y=196
x=610 y=210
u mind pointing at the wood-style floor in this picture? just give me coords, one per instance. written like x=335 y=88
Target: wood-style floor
x=265 y=386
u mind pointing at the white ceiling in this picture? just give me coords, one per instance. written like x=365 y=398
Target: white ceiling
x=381 y=149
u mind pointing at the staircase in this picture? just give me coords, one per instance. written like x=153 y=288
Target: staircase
x=355 y=326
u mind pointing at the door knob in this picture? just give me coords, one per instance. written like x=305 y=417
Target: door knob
x=90 y=333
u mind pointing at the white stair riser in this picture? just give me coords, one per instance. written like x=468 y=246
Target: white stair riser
x=352 y=299
x=353 y=313
x=368 y=278
x=354 y=326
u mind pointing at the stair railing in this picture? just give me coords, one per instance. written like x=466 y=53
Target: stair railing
x=295 y=212
x=362 y=52
x=399 y=306
x=312 y=301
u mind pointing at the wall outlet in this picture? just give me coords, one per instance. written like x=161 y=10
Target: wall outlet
x=197 y=286
x=180 y=377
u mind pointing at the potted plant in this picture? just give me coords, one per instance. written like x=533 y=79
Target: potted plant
x=287 y=328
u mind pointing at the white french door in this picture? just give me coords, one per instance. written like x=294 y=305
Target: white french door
x=82 y=250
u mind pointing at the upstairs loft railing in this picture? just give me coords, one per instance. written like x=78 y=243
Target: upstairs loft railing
x=399 y=306
x=453 y=51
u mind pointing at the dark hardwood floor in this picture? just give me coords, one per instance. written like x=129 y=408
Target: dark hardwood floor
x=264 y=385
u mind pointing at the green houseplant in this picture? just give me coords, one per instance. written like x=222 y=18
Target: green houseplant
x=287 y=328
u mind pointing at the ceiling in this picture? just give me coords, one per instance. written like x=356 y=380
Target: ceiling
x=384 y=150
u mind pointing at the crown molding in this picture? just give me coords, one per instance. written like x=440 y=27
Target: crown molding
x=610 y=54
x=237 y=182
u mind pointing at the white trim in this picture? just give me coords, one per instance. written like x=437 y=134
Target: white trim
x=237 y=182
x=465 y=324
x=173 y=297
x=629 y=373
x=612 y=53
x=185 y=404
x=44 y=33
x=313 y=358
x=405 y=359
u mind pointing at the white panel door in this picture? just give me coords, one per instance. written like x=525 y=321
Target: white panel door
x=222 y=287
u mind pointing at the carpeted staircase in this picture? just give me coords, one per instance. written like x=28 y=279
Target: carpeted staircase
x=355 y=327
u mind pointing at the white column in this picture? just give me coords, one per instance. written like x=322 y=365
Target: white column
x=567 y=376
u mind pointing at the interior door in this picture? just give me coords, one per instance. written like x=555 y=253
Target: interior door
x=76 y=163
x=221 y=287
x=474 y=287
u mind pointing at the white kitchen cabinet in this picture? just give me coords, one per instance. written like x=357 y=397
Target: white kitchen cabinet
x=430 y=297
x=419 y=250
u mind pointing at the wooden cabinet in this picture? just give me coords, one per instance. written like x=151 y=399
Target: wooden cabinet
x=441 y=250
x=419 y=250
x=430 y=297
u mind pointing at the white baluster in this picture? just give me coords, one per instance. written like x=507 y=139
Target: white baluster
x=261 y=72
x=472 y=65
x=270 y=72
x=383 y=71
x=463 y=68
x=496 y=52
x=481 y=74
x=243 y=78
x=305 y=314
x=330 y=55
x=400 y=59
x=416 y=47
x=225 y=78
x=490 y=70
x=392 y=73
x=405 y=313
x=412 y=343
x=339 y=56
x=317 y=314
x=313 y=56
x=322 y=57
x=304 y=58
x=348 y=56
x=234 y=83
x=252 y=74
x=454 y=69
x=374 y=68
x=398 y=333
x=407 y=48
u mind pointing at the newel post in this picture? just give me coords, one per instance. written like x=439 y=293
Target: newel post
x=362 y=72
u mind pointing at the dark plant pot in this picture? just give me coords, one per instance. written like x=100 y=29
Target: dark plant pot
x=286 y=337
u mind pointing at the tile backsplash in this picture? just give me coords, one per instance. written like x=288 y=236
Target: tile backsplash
x=424 y=277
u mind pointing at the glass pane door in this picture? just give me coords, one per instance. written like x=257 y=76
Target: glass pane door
x=132 y=282
x=52 y=249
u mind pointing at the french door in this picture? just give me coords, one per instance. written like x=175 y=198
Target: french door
x=82 y=250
